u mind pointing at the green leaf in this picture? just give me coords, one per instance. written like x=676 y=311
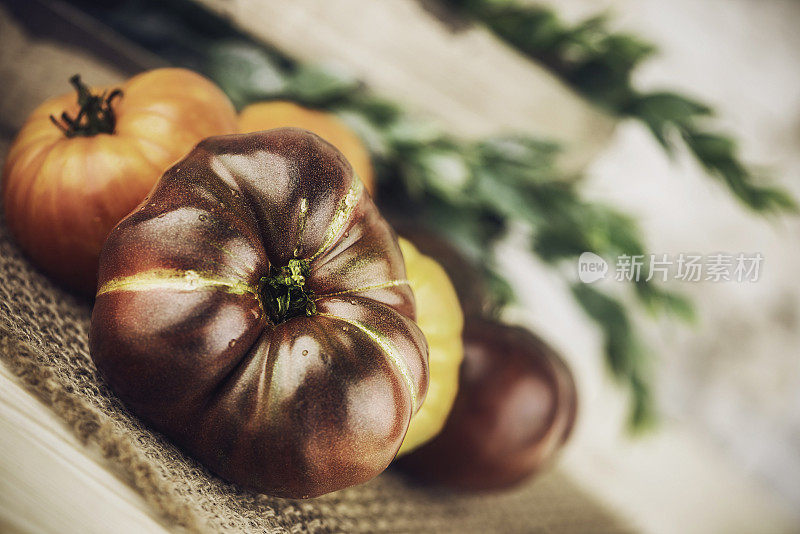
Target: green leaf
x=642 y=415
x=718 y=155
x=444 y=172
x=371 y=135
x=525 y=158
x=317 y=85
x=472 y=230
x=572 y=226
x=628 y=360
x=662 y=111
x=658 y=300
x=245 y=72
x=599 y=63
x=406 y=132
x=380 y=111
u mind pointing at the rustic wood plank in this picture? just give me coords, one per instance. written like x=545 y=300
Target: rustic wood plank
x=468 y=79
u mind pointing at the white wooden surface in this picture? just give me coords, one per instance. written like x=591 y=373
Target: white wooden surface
x=50 y=483
x=470 y=81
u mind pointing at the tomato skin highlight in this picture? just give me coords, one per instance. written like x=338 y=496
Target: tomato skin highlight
x=281 y=113
x=255 y=309
x=62 y=195
x=516 y=407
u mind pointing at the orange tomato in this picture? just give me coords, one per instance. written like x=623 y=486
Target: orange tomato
x=71 y=175
x=278 y=113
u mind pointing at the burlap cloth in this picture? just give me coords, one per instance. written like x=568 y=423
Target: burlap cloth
x=43 y=340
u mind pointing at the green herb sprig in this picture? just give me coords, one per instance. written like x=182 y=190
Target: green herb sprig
x=472 y=192
x=599 y=63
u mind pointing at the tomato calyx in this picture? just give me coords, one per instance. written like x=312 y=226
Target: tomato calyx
x=95 y=116
x=284 y=294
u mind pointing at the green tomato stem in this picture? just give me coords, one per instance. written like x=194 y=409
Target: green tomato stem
x=95 y=116
x=284 y=294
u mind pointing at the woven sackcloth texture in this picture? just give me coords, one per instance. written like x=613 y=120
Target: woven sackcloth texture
x=43 y=340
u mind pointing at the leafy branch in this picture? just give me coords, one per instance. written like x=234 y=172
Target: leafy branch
x=472 y=192
x=599 y=63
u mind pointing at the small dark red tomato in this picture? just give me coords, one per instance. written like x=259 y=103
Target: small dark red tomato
x=516 y=406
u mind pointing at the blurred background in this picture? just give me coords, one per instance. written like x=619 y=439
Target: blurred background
x=728 y=386
x=721 y=448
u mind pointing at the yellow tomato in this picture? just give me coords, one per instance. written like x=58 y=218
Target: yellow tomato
x=440 y=319
x=278 y=113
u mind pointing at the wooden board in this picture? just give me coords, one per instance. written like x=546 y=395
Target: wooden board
x=468 y=80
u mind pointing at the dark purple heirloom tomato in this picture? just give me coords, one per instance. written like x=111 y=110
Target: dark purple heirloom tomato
x=255 y=310
x=515 y=408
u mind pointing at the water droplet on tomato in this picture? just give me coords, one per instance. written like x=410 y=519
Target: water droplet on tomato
x=192 y=278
